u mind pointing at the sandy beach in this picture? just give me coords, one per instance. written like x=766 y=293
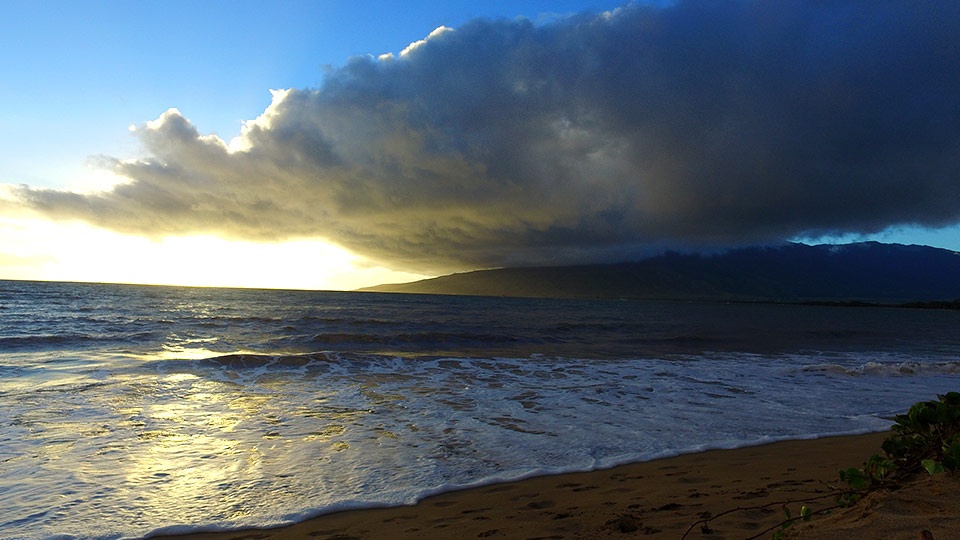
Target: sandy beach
x=659 y=499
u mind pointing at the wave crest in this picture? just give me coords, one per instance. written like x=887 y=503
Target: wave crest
x=887 y=369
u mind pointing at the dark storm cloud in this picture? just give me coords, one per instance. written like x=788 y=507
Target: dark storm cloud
x=702 y=124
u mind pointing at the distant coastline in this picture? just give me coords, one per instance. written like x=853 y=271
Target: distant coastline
x=860 y=274
x=938 y=304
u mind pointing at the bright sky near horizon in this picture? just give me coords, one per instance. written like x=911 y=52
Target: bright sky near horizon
x=76 y=75
x=537 y=137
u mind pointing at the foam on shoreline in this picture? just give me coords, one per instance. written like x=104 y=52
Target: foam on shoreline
x=663 y=497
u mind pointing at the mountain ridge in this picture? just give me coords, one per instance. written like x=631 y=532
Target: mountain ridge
x=859 y=272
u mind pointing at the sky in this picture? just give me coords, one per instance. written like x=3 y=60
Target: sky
x=335 y=145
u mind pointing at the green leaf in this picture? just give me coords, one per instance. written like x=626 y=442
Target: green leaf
x=951 y=456
x=878 y=468
x=932 y=466
x=947 y=414
x=855 y=478
x=896 y=447
x=951 y=398
x=926 y=416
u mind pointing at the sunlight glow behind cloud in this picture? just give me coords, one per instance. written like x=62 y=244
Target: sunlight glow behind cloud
x=263 y=122
x=85 y=253
x=439 y=31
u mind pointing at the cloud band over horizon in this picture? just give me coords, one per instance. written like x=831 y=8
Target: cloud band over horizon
x=596 y=137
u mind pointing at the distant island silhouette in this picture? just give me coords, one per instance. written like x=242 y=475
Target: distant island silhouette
x=865 y=273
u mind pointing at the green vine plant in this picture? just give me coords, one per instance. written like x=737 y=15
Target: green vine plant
x=926 y=438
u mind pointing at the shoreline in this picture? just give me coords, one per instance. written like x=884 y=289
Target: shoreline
x=662 y=498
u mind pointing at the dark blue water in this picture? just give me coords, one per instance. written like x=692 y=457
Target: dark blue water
x=147 y=320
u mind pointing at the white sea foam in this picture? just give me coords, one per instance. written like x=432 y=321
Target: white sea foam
x=261 y=441
x=893 y=368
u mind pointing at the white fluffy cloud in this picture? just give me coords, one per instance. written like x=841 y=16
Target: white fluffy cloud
x=701 y=124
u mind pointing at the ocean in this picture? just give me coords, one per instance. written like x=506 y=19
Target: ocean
x=133 y=410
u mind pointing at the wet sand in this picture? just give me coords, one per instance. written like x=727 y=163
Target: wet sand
x=659 y=499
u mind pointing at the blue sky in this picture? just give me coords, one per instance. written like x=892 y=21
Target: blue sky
x=433 y=162
x=77 y=74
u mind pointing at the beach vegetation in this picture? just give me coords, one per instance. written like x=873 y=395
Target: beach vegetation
x=805 y=515
x=924 y=439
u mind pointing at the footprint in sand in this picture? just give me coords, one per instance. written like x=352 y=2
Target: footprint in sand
x=400 y=518
x=474 y=510
x=752 y=495
x=625 y=477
